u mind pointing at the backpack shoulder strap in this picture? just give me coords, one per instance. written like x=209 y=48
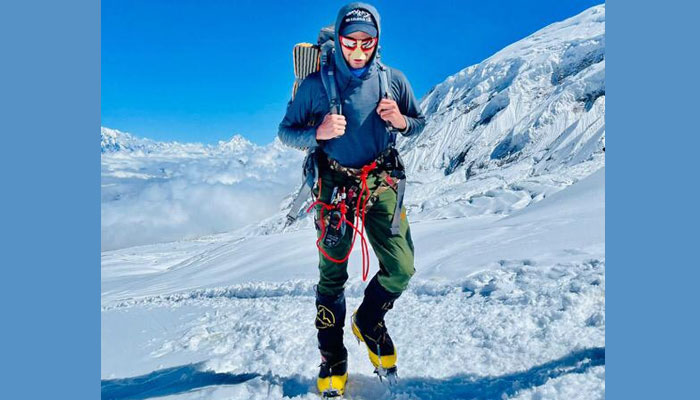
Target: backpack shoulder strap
x=328 y=78
x=385 y=93
x=384 y=80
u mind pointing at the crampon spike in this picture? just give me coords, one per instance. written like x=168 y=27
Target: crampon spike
x=331 y=394
x=391 y=375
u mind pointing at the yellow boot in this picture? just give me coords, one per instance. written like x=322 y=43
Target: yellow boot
x=380 y=349
x=332 y=376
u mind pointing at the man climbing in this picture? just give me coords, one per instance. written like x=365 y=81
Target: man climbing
x=359 y=188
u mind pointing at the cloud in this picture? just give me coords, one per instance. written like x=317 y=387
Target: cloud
x=181 y=192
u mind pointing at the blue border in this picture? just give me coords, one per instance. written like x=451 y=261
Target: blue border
x=652 y=300
x=50 y=199
x=50 y=163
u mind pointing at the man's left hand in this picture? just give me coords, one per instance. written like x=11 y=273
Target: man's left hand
x=388 y=110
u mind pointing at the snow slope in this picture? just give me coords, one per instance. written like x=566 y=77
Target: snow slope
x=516 y=309
x=560 y=227
x=506 y=198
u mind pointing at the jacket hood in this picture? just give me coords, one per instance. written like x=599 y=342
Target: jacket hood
x=341 y=65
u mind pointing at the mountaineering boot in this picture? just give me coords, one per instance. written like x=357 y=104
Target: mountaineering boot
x=330 y=320
x=369 y=327
x=333 y=374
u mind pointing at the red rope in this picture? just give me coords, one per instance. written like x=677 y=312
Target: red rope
x=360 y=212
x=365 y=249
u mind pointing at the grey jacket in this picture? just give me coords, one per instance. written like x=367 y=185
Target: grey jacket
x=366 y=134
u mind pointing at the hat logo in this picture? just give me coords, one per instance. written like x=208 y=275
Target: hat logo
x=358 y=15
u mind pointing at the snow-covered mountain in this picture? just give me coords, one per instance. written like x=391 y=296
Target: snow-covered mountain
x=539 y=101
x=114 y=140
x=528 y=120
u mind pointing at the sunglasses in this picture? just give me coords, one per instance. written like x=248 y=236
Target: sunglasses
x=365 y=44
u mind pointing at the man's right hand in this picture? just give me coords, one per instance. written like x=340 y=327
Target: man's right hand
x=333 y=125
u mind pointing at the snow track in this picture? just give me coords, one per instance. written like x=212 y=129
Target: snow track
x=495 y=334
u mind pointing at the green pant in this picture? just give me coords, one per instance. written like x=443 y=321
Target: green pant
x=395 y=252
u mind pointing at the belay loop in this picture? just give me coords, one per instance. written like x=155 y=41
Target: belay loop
x=360 y=212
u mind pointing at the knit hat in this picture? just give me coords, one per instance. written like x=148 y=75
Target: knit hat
x=358 y=19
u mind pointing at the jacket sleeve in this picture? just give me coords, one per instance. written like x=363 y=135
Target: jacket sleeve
x=298 y=128
x=408 y=104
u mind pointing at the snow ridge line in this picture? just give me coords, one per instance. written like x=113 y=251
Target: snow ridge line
x=507 y=279
x=254 y=290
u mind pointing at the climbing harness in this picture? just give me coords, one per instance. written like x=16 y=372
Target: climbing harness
x=333 y=215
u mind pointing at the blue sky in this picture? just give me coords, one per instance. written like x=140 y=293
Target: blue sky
x=206 y=70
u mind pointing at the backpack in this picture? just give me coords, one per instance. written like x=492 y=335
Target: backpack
x=309 y=58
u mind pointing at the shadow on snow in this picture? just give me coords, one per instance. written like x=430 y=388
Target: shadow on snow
x=189 y=377
x=167 y=382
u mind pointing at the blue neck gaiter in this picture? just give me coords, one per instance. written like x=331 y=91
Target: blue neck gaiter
x=358 y=72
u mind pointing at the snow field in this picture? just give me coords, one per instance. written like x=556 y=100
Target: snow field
x=495 y=323
x=585 y=386
x=506 y=305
